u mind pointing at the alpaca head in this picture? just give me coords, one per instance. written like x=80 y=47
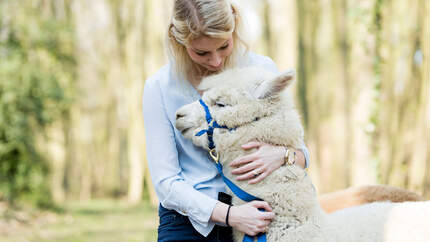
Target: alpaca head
x=235 y=98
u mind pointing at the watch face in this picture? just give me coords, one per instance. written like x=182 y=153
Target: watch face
x=286 y=157
x=291 y=158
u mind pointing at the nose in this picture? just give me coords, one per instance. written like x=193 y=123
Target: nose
x=179 y=115
x=215 y=60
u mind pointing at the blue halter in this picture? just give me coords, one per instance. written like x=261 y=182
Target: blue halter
x=212 y=124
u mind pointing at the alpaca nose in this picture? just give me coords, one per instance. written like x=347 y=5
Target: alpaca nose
x=179 y=115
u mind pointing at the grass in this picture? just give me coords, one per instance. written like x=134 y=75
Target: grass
x=94 y=221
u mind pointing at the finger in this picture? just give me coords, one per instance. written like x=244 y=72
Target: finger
x=252 y=144
x=268 y=216
x=265 y=229
x=265 y=223
x=243 y=160
x=264 y=226
x=251 y=174
x=258 y=178
x=246 y=168
x=262 y=204
x=261 y=227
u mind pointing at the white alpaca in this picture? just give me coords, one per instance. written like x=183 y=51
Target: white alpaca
x=253 y=102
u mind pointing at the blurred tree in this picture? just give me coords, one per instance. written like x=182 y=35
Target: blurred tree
x=363 y=87
x=36 y=69
x=118 y=48
x=402 y=132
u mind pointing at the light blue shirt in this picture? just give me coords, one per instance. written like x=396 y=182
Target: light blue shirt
x=184 y=177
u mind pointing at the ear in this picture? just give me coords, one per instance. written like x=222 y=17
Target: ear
x=273 y=87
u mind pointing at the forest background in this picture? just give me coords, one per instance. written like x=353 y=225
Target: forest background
x=72 y=74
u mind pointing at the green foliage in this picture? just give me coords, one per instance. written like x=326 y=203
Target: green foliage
x=36 y=69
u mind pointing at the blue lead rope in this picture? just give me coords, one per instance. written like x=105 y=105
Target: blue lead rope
x=261 y=237
x=233 y=187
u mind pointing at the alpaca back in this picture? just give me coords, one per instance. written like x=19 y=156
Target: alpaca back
x=383 y=221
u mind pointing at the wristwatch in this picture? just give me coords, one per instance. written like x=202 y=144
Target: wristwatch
x=289 y=157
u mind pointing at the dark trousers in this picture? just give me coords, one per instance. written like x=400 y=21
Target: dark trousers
x=176 y=227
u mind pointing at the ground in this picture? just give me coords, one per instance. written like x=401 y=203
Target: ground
x=95 y=221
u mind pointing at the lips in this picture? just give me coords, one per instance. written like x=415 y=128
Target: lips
x=185 y=130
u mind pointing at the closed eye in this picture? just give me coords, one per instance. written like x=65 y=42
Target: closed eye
x=221 y=105
x=201 y=53
x=224 y=47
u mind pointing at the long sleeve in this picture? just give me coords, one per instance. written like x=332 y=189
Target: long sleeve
x=172 y=189
x=305 y=151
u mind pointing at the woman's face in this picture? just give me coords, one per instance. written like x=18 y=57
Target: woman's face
x=210 y=53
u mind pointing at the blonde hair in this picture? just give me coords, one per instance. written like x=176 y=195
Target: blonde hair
x=194 y=18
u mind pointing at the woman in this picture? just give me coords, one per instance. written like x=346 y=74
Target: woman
x=204 y=38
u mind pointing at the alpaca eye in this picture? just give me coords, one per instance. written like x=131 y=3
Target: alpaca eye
x=221 y=105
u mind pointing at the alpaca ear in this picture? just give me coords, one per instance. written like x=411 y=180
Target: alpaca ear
x=273 y=87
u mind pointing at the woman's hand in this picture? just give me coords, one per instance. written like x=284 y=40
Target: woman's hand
x=249 y=220
x=258 y=165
